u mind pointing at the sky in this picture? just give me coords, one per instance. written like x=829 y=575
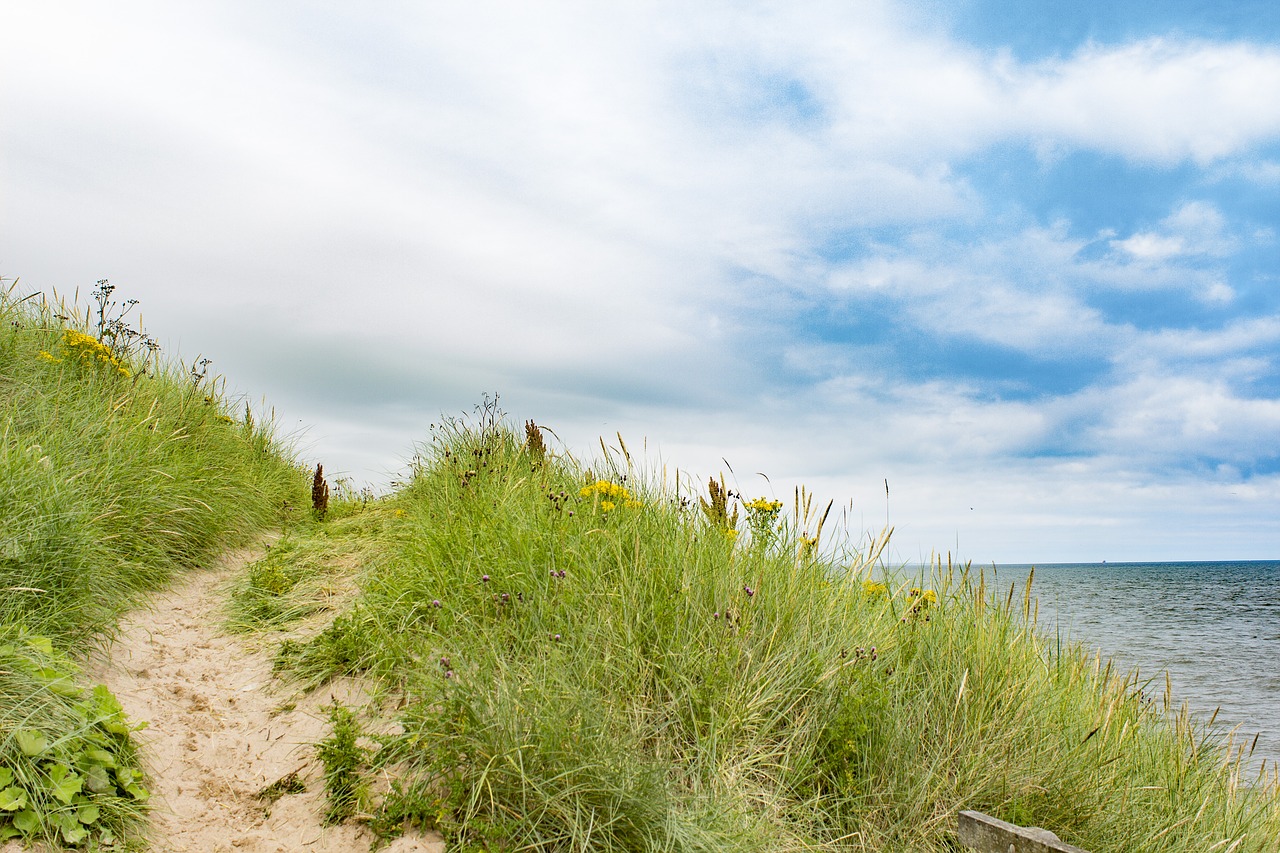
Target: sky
x=1016 y=260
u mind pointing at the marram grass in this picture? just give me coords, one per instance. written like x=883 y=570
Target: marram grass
x=117 y=471
x=113 y=477
x=591 y=660
x=580 y=659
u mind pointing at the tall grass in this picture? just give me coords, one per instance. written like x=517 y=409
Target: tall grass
x=641 y=676
x=111 y=483
x=117 y=471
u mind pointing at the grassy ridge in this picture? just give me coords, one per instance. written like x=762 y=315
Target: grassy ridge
x=117 y=471
x=582 y=659
x=593 y=661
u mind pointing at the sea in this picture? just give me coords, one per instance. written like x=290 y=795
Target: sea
x=1213 y=626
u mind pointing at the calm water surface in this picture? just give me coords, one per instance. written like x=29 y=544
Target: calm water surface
x=1214 y=626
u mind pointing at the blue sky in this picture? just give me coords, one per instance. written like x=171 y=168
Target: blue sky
x=1018 y=259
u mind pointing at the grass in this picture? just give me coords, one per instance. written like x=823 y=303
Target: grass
x=575 y=658
x=118 y=471
x=596 y=660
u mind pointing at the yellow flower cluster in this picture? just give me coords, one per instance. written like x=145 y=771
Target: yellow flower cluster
x=927 y=596
x=88 y=350
x=763 y=505
x=874 y=589
x=611 y=494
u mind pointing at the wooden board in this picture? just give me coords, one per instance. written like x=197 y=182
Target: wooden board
x=988 y=835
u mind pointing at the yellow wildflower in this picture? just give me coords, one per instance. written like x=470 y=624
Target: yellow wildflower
x=611 y=495
x=926 y=596
x=91 y=351
x=874 y=589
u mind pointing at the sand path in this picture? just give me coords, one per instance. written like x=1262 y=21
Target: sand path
x=220 y=730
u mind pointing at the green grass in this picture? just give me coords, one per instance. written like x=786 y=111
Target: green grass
x=571 y=659
x=117 y=472
x=635 y=677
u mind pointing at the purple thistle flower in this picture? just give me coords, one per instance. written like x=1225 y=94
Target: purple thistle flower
x=435 y=602
x=484 y=578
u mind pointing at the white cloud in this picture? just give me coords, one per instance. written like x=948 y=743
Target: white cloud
x=1194 y=228
x=564 y=197
x=1264 y=172
x=1151 y=247
x=1180 y=417
x=1159 y=100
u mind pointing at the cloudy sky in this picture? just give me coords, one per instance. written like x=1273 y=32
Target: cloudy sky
x=1019 y=259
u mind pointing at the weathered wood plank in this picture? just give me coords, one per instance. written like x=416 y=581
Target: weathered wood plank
x=989 y=835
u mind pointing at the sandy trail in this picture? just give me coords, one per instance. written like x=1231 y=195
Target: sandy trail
x=220 y=730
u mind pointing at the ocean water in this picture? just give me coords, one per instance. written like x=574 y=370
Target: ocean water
x=1215 y=627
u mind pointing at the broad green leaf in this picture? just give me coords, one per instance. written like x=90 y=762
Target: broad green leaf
x=27 y=821
x=6 y=777
x=138 y=792
x=88 y=814
x=63 y=684
x=98 y=756
x=65 y=790
x=98 y=780
x=108 y=704
x=117 y=725
x=31 y=742
x=41 y=644
x=72 y=831
x=65 y=783
x=12 y=799
x=7 y=832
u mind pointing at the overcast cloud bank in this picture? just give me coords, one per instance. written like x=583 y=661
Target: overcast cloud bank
x=835 y=244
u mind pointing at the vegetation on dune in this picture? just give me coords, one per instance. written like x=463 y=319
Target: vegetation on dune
x=117 y=470
x=593 y=660
x=580 y=658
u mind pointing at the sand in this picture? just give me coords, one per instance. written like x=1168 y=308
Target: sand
x=220 y=730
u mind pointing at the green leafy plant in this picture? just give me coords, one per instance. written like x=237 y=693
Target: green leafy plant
x=68 y=766
x=345 y=761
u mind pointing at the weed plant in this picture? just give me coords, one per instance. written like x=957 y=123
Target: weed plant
x=117 y=471
x=595 y=660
